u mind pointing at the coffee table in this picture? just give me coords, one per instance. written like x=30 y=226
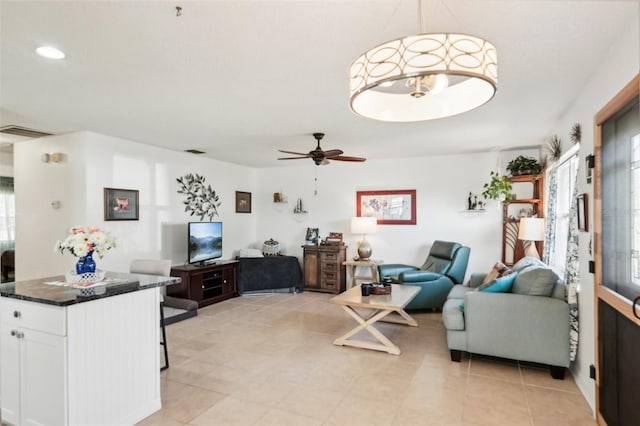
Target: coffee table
x=382 y=306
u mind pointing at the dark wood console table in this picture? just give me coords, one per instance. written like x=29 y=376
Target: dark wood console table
x=324 y=269
x=205 y=284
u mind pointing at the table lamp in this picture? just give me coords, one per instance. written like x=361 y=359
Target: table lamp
x=531 y=229
x=364 y=225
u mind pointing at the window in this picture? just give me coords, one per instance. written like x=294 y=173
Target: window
x=566 y=172
x=620 y=174
x=635 y=214
x=7 y=214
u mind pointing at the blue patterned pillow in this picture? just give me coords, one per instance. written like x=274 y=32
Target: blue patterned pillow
x=500 y=285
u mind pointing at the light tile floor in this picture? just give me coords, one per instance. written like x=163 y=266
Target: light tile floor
x=270 y=360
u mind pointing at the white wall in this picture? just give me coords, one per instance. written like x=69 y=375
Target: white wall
x=442 y=184
x=93 y=162
x=615 y=71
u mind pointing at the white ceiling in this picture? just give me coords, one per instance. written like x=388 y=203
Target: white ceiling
x=241 y=79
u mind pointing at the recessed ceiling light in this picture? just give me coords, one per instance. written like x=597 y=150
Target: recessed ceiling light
x=50 y=52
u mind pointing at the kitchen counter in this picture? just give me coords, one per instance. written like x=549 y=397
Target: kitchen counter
x=117 y=283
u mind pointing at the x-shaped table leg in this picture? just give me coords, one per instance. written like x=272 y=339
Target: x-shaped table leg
x=385 y=344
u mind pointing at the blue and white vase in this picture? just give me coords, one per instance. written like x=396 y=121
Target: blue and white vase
x=85 y=264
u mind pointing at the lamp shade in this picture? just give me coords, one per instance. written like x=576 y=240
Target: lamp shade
x=364 y=225
x=423 y=77
x=531 y=229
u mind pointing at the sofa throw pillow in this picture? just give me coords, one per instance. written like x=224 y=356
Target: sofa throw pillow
x=499 y=285
x=535 y=282
x=498 y=270
x=528 y=262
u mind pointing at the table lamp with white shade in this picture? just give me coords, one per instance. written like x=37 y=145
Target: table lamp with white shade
x=364 y=225
x=531 y=229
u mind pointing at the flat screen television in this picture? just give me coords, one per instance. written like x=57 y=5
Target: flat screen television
x=205 y=241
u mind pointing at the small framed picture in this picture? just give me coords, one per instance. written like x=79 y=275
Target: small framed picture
x=243 y=202
x=121 y=204
x=583 y=212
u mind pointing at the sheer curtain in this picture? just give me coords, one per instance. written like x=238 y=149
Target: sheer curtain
x=572 y=273
x=561 y=240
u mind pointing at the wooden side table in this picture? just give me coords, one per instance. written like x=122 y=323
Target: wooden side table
x=352 y=266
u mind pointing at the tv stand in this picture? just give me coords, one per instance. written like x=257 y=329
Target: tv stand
x=206 y=284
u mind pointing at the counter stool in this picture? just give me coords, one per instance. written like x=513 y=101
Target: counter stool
x=160 y=267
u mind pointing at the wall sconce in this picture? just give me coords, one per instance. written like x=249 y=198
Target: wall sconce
x=56 y=157
x=591 y=163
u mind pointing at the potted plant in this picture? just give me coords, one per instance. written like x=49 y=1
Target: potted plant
x=499 y=188
x=522 y=165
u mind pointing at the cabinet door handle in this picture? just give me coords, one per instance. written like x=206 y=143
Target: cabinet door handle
x=635 y=302
x=16 y=314
x=14 y=332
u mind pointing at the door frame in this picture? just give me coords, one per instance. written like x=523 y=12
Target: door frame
x=611 y=298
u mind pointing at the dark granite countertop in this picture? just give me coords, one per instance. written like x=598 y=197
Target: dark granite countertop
x=37 y=291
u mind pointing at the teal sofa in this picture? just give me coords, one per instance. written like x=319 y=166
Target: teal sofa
x=446 y=265
x=528 y=323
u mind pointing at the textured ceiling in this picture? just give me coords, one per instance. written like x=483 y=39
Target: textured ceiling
x=241 y=79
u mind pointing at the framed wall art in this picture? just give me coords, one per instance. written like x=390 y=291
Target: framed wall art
x=243 y=202
x=389 y=207
x=583 y=212
x=121 y=204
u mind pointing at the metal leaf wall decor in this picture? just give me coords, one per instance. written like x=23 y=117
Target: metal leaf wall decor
x=201 y=200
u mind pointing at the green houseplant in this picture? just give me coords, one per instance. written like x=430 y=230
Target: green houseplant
x=522 y=165
x=499 y=188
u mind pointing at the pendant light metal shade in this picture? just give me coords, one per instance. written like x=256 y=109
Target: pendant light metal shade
x=423 y=77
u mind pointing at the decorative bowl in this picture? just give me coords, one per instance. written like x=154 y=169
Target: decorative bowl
x=86 y=278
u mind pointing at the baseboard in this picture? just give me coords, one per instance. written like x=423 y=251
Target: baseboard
x=584 y=387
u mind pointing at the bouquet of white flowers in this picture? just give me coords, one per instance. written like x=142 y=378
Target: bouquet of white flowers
x=82 y=241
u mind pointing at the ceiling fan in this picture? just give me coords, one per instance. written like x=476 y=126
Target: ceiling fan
x=319 y=156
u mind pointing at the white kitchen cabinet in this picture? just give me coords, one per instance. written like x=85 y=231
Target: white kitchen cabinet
x=32 y=363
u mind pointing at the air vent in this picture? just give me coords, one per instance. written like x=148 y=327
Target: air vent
x=23 y=131
x=194 y=151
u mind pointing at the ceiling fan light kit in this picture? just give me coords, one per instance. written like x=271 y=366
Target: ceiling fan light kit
x=423 y=77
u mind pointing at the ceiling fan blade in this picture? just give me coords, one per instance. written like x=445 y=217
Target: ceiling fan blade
x=347 y=158
x=295 y=153
x=332 y=153
x=292 y=158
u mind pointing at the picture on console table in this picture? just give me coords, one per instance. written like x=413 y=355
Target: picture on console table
x=121 y=204
x=243 y=202
x=390 y=207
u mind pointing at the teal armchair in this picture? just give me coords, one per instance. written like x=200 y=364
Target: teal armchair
x=445 y=266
